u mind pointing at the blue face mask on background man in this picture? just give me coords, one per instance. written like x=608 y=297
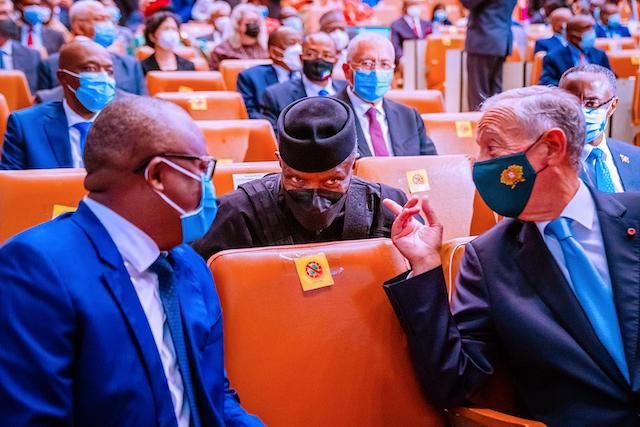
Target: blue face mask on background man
x=96 y=90
x=595 y=120
x=372 y=85
x=588 y=40
x=36 y=14
x=106 y=33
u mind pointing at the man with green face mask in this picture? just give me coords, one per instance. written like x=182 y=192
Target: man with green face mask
x=554 y=288
x=316 y=198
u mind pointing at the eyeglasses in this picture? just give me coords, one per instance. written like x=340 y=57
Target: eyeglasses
x=205 y=164
x=593 y=104
x=370 y=64
x=312 y=56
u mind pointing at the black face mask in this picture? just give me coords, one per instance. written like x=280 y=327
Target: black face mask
x=315 y=209
x=317 y=70
x=252 y=30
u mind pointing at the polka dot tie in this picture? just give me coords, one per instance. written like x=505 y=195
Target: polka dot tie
x=600 y=171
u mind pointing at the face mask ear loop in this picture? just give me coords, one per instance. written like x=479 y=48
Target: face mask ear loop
x=531 y=146
x=164 y=197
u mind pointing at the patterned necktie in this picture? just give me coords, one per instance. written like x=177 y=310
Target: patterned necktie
x=600 y=171
x=30 y=37
x=414 y=27
x=377 y=138
x=83 y=128
x=594 y=295
x=171 y=303
x=323 y=92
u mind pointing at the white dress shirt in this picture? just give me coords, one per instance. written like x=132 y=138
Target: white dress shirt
x=7 y=55
x=312 y=89
x=282 y=74
x=414 y=22
x=360 y=108
x=36 y=36
x=139 y=251
x=608 y=160
x=74 y=134
x=586 y=230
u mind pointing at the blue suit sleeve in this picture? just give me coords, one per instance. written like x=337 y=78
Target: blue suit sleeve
x=37 y=318
x=427 y=147
x=248 y=90
x=538 y=47
x=452 y=353
x=269 y=108
x=396 y=41
x=14 y=154
x=234 y=415
x=604 y=61
x=550 y=73
x=44 y=76
x=139 y=78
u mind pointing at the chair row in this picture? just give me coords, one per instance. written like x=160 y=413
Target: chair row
x=30 y=197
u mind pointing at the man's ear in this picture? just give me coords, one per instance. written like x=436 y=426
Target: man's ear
x=153 y=174
x=556 y=143
x=612 y=108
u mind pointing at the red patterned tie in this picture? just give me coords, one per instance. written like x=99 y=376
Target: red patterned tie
x=414 y=27
x=30 y=37
x=377 y=139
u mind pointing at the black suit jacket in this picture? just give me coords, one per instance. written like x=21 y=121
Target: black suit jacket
x=151 y=64
x=26 y=60
x=52 y=40
x=406 y=130
x=560 y=60
x=252 y=83
x=512 y=300
x=489 y=27
x=401 y=31
x=280 y=95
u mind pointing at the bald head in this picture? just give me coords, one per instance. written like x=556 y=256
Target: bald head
x=84 y=15
x=370 y=46
x=320 y=43
x=284 y=37
x=84 y=9
x=577 y=26
x=559 y=19
x=332 y=20
x=75 y=55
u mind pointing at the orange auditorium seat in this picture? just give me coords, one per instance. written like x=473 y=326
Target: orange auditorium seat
x=218 y=105
x=184 y=81
x=623 y=43
x=30 y=197
x=453 y=133
x=635 y=103
x=186 y=52
x=624 y=63
x=435 y=58
x=536 y=69
x=228 y=176
x=424 y=101
x=230 y=68
x=14 y=87
x=143 y=52
x=4 y=116
x=196 y=29
x=255 y=139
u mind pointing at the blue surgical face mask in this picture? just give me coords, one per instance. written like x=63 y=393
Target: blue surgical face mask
x=614 y=20
x=440 y=15
x=293 y=22
x=106 y=33
x=372 y=85
x=114 y=13
x=36 y=14
x=196 y=223
x=595 y=121
x=588 y=40
x=263 y=10
x=96 y=90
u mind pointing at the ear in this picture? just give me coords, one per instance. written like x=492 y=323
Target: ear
x=612 y=108
x=348 y=73
x=153 y=174
x=556 y=146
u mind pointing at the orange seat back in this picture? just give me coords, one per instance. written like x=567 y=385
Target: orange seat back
x=635 y=102
x=608 y=44
x=453 y=133
x=451 y=253
x=14 y=87
x=424 y=101
x=435 y=58
x=536 y=68
x=230 y=68
x=338 y=353
x=187 y=52
x=28 y=197
x=219 y=105
x=516 y=55
x=450 y=186
x=183 y=81
x=531 y=45
x=143 y=52
x=254 y=140
x=4 y=117
x=624 y=63
x=228 y=176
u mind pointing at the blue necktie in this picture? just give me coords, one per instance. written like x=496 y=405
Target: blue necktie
x=83 y=128
x=600 y=171
x=594 y=295
x=323 y=92
x=171 y=304
x=2 y=60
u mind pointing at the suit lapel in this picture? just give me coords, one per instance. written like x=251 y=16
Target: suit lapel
x=623 y=250
x=396 y=133
x=542 y=272
x=628 y=175
x=272 y=76
x=298 y=89
x=18 y=57
x=57 y=131
x=363 y=147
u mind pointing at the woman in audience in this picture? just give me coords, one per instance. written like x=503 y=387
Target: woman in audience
x=162 y=33
x=247 y=38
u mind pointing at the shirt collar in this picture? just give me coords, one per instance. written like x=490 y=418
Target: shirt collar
x=360 y=106
x=74 y=118
x=581 y=209
x=281 y=72
x=588 y=148
x=316 y=88
x=7 y=48
x=134 y=245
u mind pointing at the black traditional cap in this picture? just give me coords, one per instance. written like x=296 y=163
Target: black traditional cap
x=316 y=134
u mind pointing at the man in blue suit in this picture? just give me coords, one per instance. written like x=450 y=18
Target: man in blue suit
x=558 y=21
x=284 y=50
x=14 y=56
x=611 y=26
x=581 y=37
x=607 y=164
x=52 y=135
x=111 y=319
x=554 y=290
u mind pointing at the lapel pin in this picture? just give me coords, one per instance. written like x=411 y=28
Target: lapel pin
x=631 y=232
x=625 y=159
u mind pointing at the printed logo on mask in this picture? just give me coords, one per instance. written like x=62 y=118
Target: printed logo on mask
x=512 y=176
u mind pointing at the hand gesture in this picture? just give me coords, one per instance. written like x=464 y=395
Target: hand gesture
x=418 y=243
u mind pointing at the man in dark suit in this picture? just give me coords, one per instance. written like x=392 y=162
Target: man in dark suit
x=384 y=127
x=543 y=14
x=558 y=21
x=132 y=335
x=318 y=59
x=581 y=37
x=33 y=33
x=489 y=41
x=608 y=164
x=553 y=291
x=14 y=56
x=409 y=26
x=284 y=50
x=52 y=135
x=84 y=18
x=610 y=26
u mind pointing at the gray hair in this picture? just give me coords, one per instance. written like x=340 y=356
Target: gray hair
x=237 y=14
x=540 y=108
x=82 y=8
x=594 y=69
x=370 y=38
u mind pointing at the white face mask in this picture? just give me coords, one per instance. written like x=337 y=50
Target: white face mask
x=291 y=57
x=414 y=11
x=221 y=23
x=169 y=39
x=340 y=38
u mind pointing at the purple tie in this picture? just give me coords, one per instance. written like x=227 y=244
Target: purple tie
x=377 y=139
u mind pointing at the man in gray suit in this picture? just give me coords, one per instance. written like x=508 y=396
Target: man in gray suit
x=489 y=42
x=84 y=17
x=33 y=33
x=14 y=56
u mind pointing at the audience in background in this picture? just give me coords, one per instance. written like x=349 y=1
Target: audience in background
x=218 y=17
x=318 y=57
x=542 y=15
x=54 y=21
x=33 y=34
x=284 y=48
x=579 y=51
x=409 y=26
x=316 y=198
x=14 y=56
x=610 y=25
x=384 y=127
x=439 y=17
x=608 y=164
x=123 y=44
x=247 y=37
x=334 y=24
x=162 y=32
x=53 y=134
x=291 y=18
x=558 y=20
x=6 y=10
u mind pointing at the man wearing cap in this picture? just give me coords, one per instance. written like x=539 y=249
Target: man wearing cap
x=316 y=198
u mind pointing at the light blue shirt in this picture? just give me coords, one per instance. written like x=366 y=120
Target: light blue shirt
x=313 y=89
x=36 y=36
x=575 y=54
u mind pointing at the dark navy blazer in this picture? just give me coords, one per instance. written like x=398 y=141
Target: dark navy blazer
x=626 y=157
x=401 y=31
x=603 y=31
x=252 y=84
x=547 y=45
x=560 y=60
x=78 y=349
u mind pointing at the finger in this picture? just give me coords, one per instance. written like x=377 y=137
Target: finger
x=395 y=208
x=401 y=222
x=429 y=213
